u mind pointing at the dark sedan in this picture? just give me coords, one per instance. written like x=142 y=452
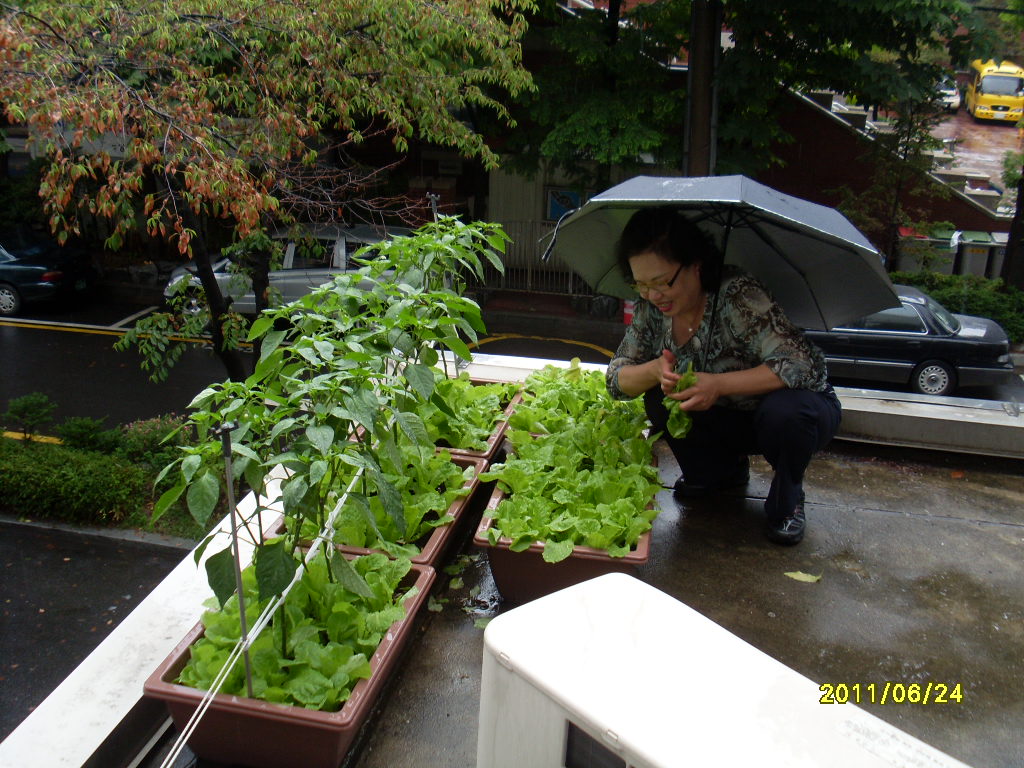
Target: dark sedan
x=33 y=267
x=920 y=344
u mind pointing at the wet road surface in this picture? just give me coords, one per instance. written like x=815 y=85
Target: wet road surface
x=978 y=146
x=62 y=592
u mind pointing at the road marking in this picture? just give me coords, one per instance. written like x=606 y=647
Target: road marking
x=96 y=330
x=33 y=439
x=136 y=316
x=503 y=336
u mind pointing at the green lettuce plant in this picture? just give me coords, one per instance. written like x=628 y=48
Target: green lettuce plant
x=579 y=473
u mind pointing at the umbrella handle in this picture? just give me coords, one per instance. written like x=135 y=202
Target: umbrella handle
x=554 y=236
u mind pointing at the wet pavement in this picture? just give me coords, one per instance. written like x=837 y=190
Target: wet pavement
x=978 y=146
x=919 y=556
x=62 y=592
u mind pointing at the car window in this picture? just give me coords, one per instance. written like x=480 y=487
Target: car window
x=946 y=319
x=903 y=319
x=313 y=253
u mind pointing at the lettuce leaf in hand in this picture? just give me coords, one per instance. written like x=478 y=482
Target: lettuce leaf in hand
x=679 y=421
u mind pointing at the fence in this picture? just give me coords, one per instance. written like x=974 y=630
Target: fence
x=524 y=270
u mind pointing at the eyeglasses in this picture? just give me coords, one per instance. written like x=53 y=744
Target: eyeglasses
x=660 y=287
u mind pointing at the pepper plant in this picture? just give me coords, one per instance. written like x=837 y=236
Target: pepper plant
x=340 y=378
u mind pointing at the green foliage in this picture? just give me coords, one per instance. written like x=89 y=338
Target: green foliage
x=154 y=442
x=48 y=481
x=680 y=421
x=462 y=414
x=29 y=413
x=332 y=623
x=973 y=295
x=584 y=478
x=429 y=482
x=88 y=434
x=339 y=385
x=603 y=96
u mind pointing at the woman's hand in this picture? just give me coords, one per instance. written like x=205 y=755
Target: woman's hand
x=712 y=386
x=702 y=395
x=667 y=371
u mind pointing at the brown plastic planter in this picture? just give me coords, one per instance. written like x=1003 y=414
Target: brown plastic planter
x=433 y=550
x=524 y=576
x=436 y=544
x=240 y=731
x=497 y=435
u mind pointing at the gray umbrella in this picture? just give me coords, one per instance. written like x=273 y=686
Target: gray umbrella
x=816 y=264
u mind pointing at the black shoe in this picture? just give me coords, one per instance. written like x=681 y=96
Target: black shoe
x=789 y=530
x=684 y=490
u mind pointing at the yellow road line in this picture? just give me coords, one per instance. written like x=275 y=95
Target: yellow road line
x=502 y=336
x=34 y=439
x=96 y=331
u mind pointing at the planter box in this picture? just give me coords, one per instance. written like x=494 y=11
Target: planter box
x=524 y=576
x=240 y=731
x=496 y=437
x=436 y=545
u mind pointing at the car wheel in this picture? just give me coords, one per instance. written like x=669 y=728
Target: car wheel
x=10 y=301
x=933 y=377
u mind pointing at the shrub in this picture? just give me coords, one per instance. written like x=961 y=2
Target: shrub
x=142 y=441
x=87 y=434
x=973 y=295
x=29 y=412
x=54 y=481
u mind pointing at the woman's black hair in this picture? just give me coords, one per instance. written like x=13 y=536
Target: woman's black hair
x=666 y=232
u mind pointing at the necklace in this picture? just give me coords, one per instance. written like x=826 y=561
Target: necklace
x=697 y=317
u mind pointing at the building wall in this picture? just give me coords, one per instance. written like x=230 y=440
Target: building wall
x=827 y=153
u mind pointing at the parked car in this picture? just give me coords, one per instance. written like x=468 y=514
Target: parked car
x=919 y=344
x=311 y=258
x=948 y=95
x=35 y=267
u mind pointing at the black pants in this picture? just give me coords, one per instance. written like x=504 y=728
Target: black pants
x=788 y=427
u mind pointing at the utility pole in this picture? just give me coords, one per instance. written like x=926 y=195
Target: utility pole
x=701 y=113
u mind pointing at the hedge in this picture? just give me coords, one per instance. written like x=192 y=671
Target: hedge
x=41 y=480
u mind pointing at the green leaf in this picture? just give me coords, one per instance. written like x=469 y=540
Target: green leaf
x=203 y=495
x=189 y=465
x=322 y=437
x=293 y=492
x=166 y=500
x=220 y=573
x=413 y=427
x=348 y=576
x=271 y=342
x=557 y=551
x=421 y=379
x=275 y=568
x=801 y=576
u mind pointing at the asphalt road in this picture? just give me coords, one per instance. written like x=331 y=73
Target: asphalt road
x=68 y=355
x=62 y=592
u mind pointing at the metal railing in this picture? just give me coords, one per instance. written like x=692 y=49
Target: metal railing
x=523 y=268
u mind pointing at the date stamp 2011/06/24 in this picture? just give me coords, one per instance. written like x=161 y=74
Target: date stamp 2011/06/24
x=891 y=693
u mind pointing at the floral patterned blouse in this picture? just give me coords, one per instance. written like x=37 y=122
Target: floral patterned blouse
x=749 y=329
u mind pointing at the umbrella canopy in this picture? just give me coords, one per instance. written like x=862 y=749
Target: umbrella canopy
x=816 y=264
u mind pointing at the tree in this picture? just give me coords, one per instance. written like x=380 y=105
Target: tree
x=606 y=92
x=170 y=116
x=604 y=96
